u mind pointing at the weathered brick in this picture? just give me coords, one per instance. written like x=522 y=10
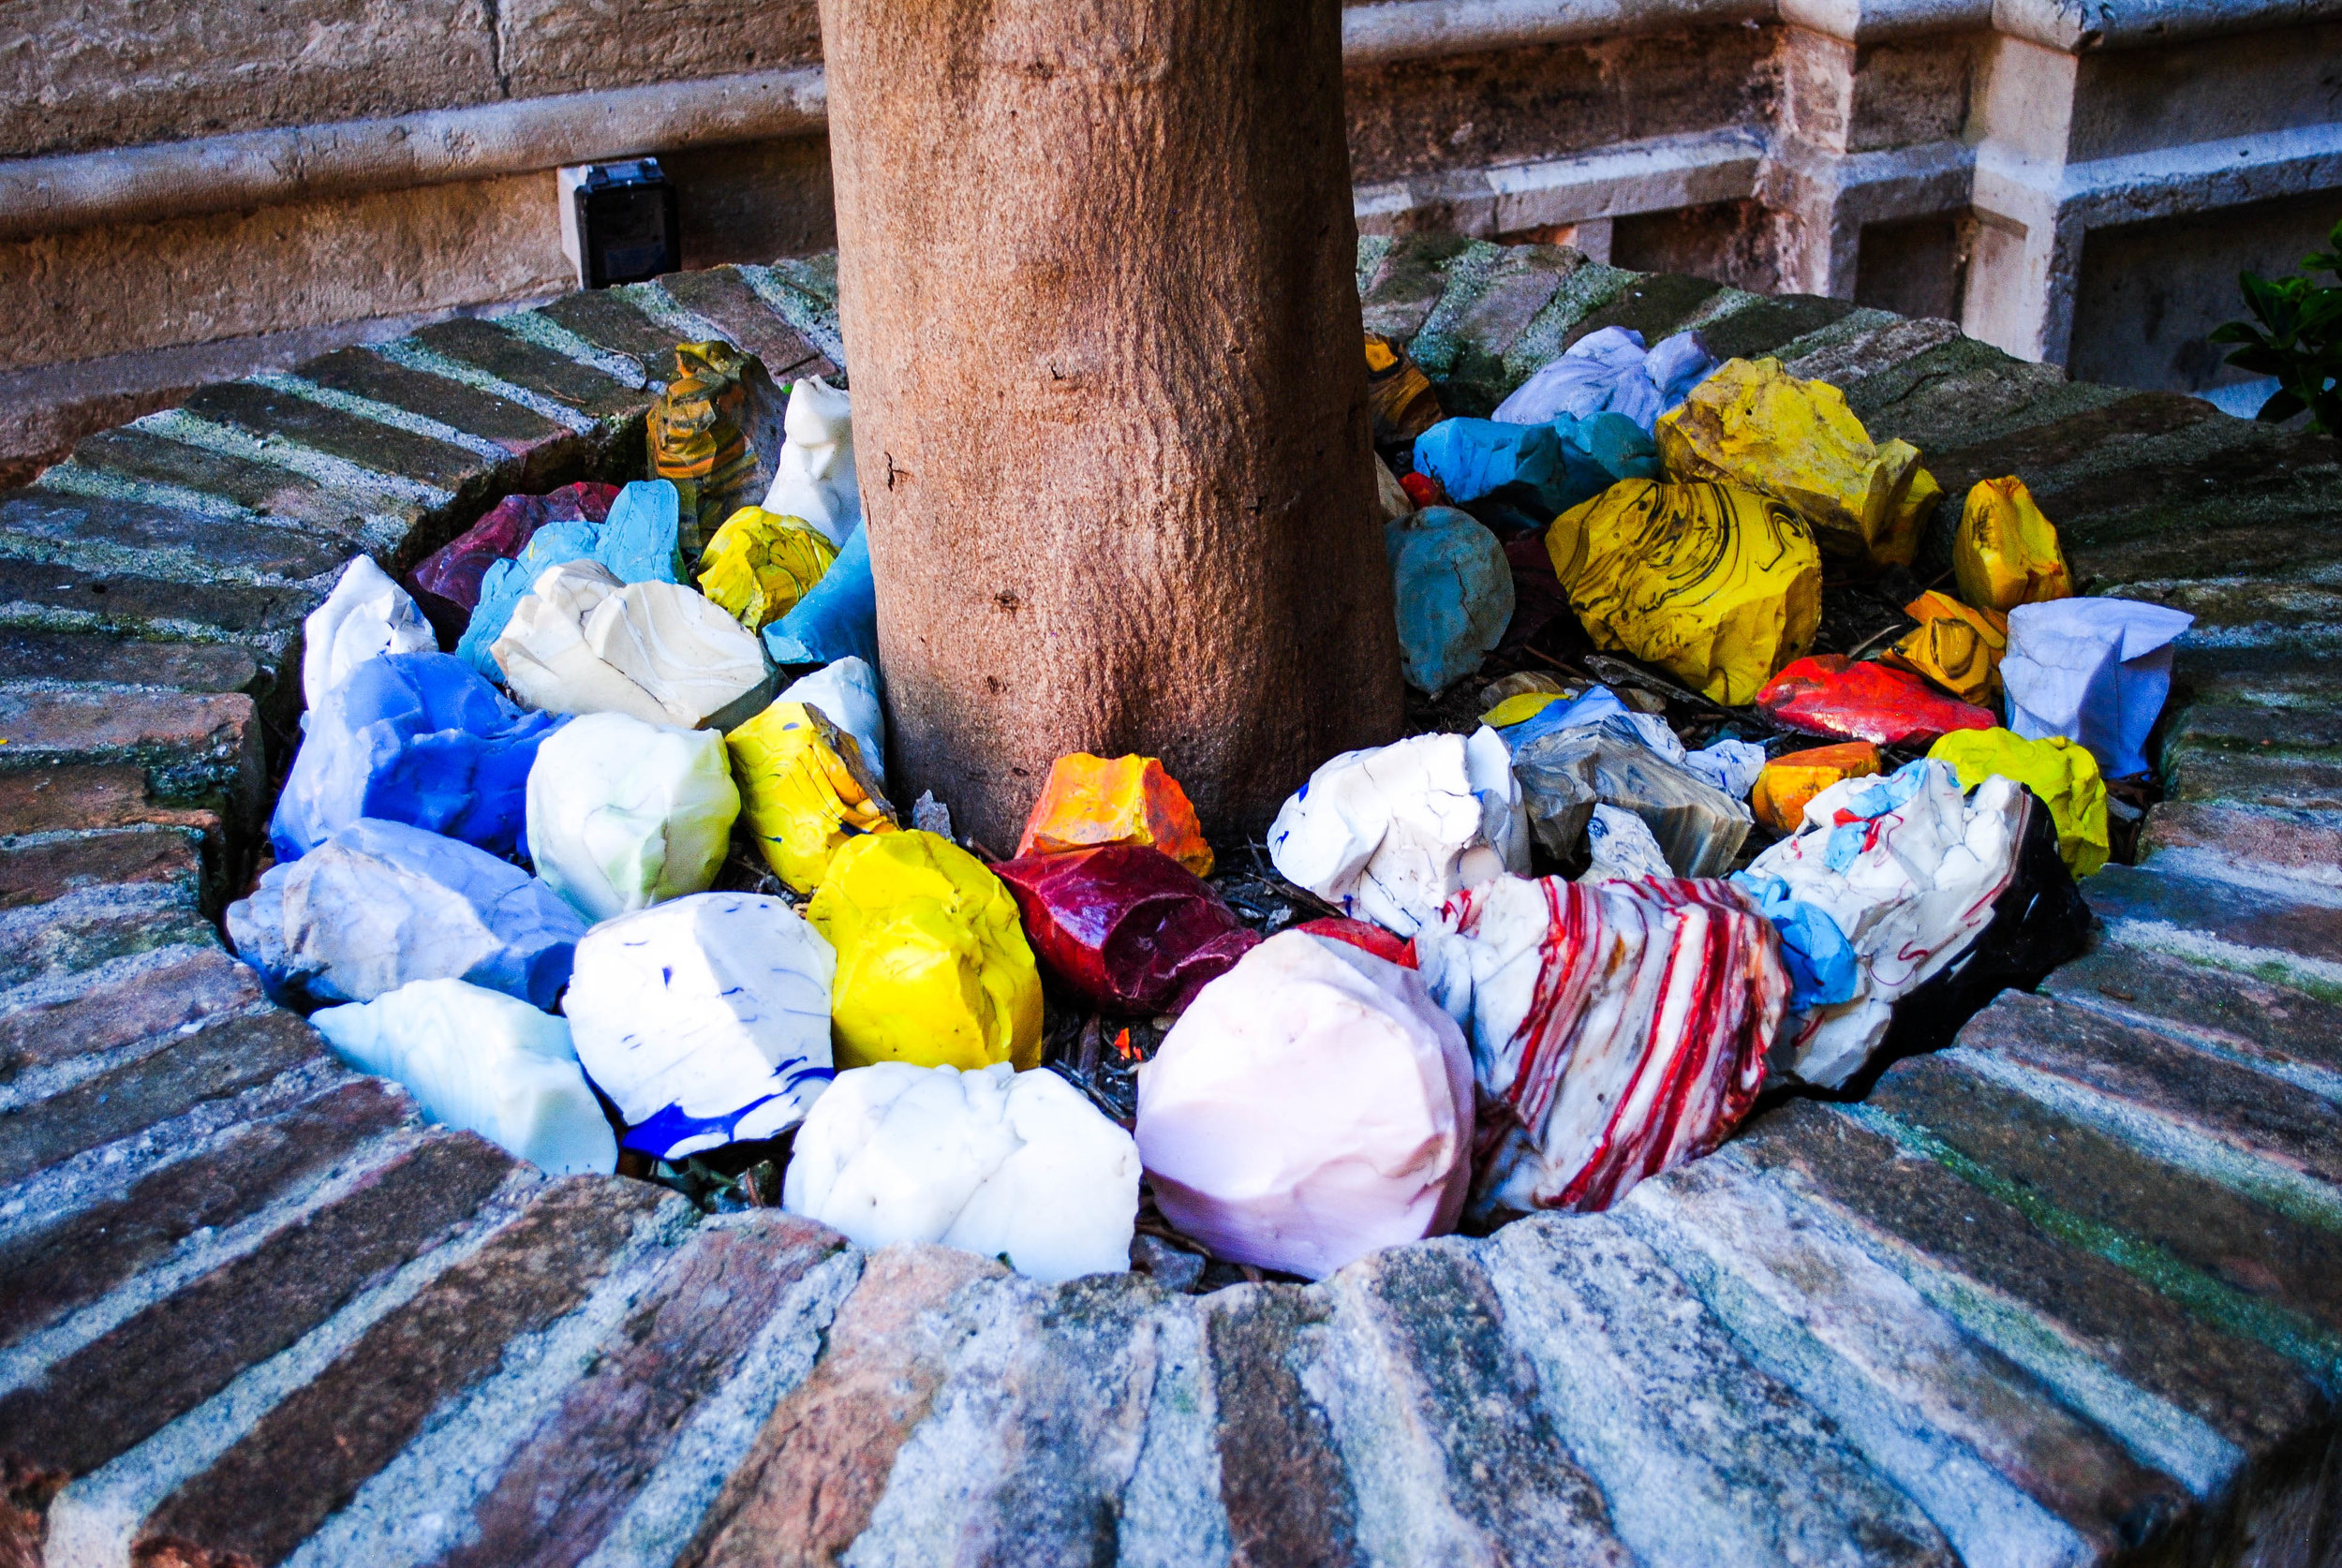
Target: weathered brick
x=1502 y=312
x=1690 y=1441
x=159 y=542
x=1655 y=305
x=2175 y=462
x=67 y=1264
x=2216 y=1371
x=521 y=432
x=2267 y=678
x=268 y=414
x=1069 y=1379
x=2000 y=1461
x=148 y=1370
x=2286 y=783
x=1955 y=402
x=65 y=799
x=1867 y=355
x=2227 y=1012
x=724 y=298
x=2233 y=570
x=2216 y=922
x=490 y=348
x=1756 y=330
x=2280 y=609
x=2301 y=843
x=2246 y=1245
x=2236 y=1105
x=585 y=1463
x=152 y=994
x=1509 y=327
x=1437 y=1332
x=45 y=592
x=607 y=322
x=46 y=942
x=808 y=1485
x=37 y=873
x=28 y=654
x=2041 y=450
x=1409 y=283
x=1281 y=1479
x=188 y=745
x=307 y=1458
x=129 y=453
x=226 y=1058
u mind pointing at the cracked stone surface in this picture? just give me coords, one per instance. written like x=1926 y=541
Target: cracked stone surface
x=2069 y=1291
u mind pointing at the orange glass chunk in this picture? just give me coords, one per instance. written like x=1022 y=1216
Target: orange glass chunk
x=1957 y=648
x=1788 y=782
x=1092 y=801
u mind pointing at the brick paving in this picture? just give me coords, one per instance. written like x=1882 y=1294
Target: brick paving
x=2069 y=1291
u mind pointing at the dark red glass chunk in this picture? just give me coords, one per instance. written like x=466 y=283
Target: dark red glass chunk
x=1127 y=926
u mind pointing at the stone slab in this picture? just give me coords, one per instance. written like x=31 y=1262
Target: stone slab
x=308 y=1457
x=487 y=348
x=1655 y=305
x=2255 y=1112
x=2252 y=1248
x=29 y=654
x=1706 y=1460
x=2280 y=782
x=57 y=594
x=2275 y=931
x=130 y=453
x=89 y=796
x=809 y=1483
x=2265 y=677
x=1287 y=1492
x=162 y=541
x=1955 y=405
x=1756 y=330
x=521 y=432
x=2176 y=466
x=2026 y=1251
x=1492 y=323
x=189 y=745
x=271 y=414
x=75 y=1261
x=166 y=858
x=2214 y=1009
x=724 y=298
x=155 y=994
x=161 y=1362
x=45 y=943
x=1855 y=363
x=586 y=1462
x=606 y=321
x=1443 y=1427
x=1409 y=283
x=226 y=1058
x=2114 y=429
x=1033 y=1439
x=2306 y=844
x=1999 y=1463
x=2208 y=551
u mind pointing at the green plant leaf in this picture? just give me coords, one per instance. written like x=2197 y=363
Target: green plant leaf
x=2282 y=405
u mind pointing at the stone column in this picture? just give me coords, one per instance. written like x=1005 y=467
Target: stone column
x=1096 y=277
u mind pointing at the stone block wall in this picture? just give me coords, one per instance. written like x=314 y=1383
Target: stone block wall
x=2068 y=1292
x=193 y=192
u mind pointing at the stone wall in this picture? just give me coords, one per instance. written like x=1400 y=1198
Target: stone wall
x=2068 y=1293
x=195 y=191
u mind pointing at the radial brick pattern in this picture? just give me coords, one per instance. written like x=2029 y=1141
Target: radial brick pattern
x=2069 y=1291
